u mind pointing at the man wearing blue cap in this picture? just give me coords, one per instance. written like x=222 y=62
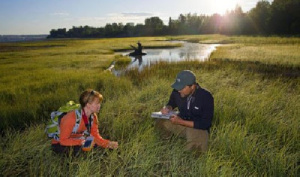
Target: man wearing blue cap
x=196 y=109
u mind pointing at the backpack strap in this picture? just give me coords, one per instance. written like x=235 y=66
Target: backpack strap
x=91 y=118
x=87 y=122
x=89 y=126
x=78 y=120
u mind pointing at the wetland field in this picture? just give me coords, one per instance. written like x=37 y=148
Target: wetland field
x=255 y=82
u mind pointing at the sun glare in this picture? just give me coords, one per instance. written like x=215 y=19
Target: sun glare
x=221 y=6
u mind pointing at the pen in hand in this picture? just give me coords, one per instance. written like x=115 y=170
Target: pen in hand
x=165 y=110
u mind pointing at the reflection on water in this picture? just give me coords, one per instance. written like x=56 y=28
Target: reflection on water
x=189 y=51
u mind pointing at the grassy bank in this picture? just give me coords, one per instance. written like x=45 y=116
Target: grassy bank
x=255 y=128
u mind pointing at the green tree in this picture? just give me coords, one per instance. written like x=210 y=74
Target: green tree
x=154 y=26
x=212 y=24
x=285 y=18
x=129 y=29
x=260 y=16
x=193 y=23
x=232 y=21
x=59 y=33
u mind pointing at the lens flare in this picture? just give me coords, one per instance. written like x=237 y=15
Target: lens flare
x=221 y=6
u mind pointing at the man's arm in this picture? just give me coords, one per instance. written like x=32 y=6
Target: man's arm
x=175 y=119
x=205 y=119
x=133 y=47
x=172 y=100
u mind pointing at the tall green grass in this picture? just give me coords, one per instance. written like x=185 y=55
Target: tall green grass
x=255 y=129
x=36 y=77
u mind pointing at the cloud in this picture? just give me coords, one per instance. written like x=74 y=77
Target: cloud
x=119 y=17
x=100 y=21
x=62 y=14
x=91 y=19
x=138 y=14
x=136 y=17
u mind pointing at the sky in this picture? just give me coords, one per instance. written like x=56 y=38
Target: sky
x=20 y=17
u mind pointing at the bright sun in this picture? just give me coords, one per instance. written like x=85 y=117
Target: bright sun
x=221 y=6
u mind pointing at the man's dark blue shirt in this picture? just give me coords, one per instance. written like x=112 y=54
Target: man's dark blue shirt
x=198 y=107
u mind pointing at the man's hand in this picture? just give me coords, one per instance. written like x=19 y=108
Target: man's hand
x=166 y=109
x=175 y=119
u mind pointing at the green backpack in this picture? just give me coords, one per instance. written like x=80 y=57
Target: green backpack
x=52 y=128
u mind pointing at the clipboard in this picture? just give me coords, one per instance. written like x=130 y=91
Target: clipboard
x=163 y=116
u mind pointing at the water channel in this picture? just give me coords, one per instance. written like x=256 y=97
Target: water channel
x=188 y=51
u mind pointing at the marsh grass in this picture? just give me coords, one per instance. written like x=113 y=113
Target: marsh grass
x=284 y=54
x=255 y=128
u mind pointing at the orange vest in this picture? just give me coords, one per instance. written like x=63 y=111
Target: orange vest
x=73 y=135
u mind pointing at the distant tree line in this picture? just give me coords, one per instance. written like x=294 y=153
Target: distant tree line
x=281 y=17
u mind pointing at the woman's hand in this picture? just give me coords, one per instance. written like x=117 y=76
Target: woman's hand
x=113 y=145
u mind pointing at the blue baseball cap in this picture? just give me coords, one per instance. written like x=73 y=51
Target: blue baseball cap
x=184 y=78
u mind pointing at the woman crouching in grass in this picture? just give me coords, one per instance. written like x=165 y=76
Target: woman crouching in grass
x=80 y=126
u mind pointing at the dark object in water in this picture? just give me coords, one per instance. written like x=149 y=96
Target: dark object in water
x=137 y=53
